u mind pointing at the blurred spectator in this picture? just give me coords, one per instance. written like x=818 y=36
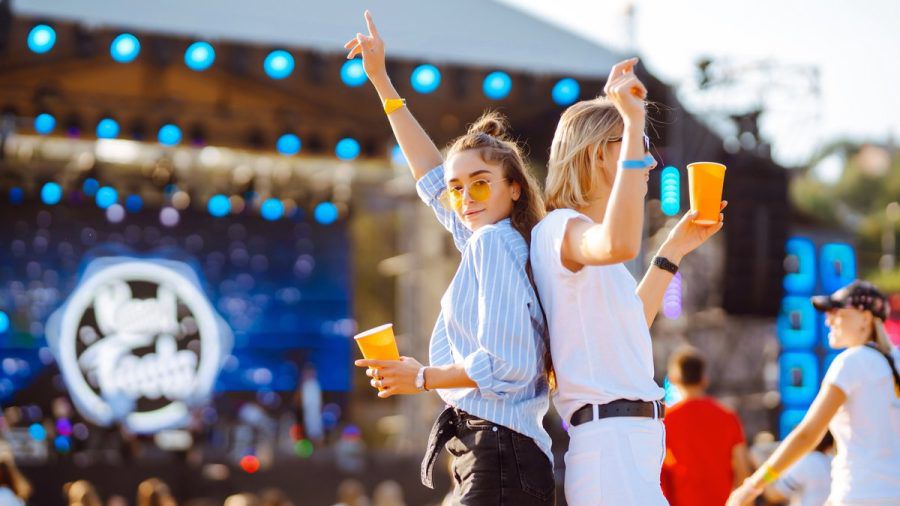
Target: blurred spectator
x=14 y=488
x=763 y=445
x=153 y=492
x=81 y=493
x=256 y=431
x=274 y=497
x=116 y=500
x=350 y=450
x=244 y=499
x=706 y=456
x=350 y=492
x=808 y=482
x=312 y=404
x=388 y=493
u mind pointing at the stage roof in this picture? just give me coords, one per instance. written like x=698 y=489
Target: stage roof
x=488 y=34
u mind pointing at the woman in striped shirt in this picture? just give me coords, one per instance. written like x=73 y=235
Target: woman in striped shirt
x=487 y=352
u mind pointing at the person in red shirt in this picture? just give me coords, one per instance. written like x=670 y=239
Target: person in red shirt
x=706 y=455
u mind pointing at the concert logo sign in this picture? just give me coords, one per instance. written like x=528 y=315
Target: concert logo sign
x=138 y=343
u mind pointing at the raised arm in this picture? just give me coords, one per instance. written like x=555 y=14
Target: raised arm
x=799 y=442
x=419 y=150
x=684 y=238
x=618 y=237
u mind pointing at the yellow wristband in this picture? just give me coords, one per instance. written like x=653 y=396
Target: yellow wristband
x=769 y=475
x=392 y=104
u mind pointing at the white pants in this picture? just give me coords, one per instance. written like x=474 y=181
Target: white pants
x=615 y=462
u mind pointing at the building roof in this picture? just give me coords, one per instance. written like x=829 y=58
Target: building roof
x=488 y=33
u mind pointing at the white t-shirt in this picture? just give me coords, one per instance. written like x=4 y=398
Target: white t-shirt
x=599 y=338
x=808 y=482
x=866 y=429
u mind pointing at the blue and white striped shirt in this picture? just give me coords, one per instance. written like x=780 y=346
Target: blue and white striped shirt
x=491 y=323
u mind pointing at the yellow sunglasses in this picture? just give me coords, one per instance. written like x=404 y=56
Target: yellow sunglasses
x=479 y=190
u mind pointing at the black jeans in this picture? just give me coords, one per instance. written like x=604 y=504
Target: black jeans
x=492 y=465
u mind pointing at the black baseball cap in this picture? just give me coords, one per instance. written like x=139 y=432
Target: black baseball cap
x=859 y=294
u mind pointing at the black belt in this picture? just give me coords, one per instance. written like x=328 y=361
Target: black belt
x=620 y=407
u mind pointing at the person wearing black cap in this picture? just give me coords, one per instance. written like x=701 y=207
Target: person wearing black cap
x=859 y=401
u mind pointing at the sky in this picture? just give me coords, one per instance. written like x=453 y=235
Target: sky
x=772 y=47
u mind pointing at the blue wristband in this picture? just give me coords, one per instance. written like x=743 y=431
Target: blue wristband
x=636 y=164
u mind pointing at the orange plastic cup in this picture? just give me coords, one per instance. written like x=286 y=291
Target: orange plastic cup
x=378 y=343
x=706 y=180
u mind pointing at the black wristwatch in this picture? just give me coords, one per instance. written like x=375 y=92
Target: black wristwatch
x=665 y=264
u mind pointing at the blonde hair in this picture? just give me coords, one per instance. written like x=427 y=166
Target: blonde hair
x=880 y=337
x=883 y=344
x=489 y=135
x=572 y=171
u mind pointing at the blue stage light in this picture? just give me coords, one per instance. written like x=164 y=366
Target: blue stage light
x=44 y=123
x=16 y=195
x=62 y=444
x=272 y=209
x=352 y=73
x=219 y=205
x=326 y=213
x=41 y=39
x=497 y=85
x=288 y=144
x=90 y=187
x=106 y=197
x=4 y=322
x=107 y=128
x=51 y=193
x=278 y=64
x=347 y=149
x=800 y=266
x=670 y=191
x=566 y=91
x=199 y=56
x=37 y=432
x=837 y=266
x=798 y=378
x=169 y=135
x=426 y=78
x=789 y=419
x=125 y=48
x=134 y=203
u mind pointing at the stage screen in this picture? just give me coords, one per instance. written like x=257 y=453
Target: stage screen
x=283 y=287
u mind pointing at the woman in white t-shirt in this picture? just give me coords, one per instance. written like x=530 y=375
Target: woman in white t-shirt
x=598 y=316
x=859 y=402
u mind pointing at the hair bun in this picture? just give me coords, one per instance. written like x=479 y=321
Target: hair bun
x=491 y=123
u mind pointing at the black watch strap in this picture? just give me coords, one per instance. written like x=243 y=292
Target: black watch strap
x=665 y=264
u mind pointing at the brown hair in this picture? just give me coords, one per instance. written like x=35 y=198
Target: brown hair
x=490 y=136
x=573 y=168
x=687 y=367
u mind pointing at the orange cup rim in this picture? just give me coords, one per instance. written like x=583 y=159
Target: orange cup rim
x=708 y=163
x=376 y=330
